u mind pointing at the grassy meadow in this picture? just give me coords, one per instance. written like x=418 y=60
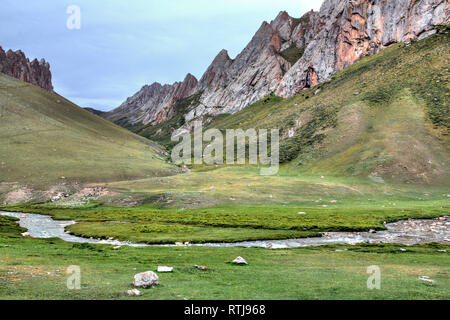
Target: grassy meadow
x=369 y=146
x=36 y=269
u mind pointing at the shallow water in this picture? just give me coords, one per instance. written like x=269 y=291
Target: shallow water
x=406 y=232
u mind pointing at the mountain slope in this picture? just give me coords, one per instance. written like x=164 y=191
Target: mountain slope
x=387 y=117
x=44 y=137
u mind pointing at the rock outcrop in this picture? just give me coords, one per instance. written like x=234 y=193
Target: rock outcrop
x=152 y=104
x=288 y=55
x=355 y=28
x=17 y=65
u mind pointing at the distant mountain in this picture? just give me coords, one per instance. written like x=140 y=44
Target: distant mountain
x=152 y=103
x=287 y=56
x=17 y=65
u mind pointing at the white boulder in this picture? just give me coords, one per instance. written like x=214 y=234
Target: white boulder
x=239 y=260
x=165 y=269
x=146 y=279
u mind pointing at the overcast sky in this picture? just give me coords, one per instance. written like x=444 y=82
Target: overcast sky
x=123 y=45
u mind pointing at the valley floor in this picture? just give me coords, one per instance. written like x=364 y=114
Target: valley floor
x=36 y=268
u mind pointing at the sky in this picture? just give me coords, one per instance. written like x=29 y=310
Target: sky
x=123 y=45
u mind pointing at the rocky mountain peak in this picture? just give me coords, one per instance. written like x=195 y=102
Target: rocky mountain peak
x=16 y=64
x=290 y=54
x=351 y=29
x=153 y=103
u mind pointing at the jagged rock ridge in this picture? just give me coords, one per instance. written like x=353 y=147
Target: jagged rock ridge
x=152 y=103
x=16 y=64
x=332 y=39
x=354 y=28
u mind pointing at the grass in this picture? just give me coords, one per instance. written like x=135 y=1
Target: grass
x=36 y=269
x=45 y=137
x=293 y=54
x=153 y=224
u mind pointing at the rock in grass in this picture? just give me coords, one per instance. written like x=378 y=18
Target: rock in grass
x=201 y=268
x=240 y=260
x=426 y=279
x=27 y=235
x=274 y=246
x=134 y=292
x=146 y=279
x=165 y=269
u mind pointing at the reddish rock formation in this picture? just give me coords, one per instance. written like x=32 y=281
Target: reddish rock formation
x=355 y=28
x=17 y=65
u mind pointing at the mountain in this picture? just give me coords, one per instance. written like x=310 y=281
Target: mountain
x=17 y=65
x=152 y=104
x=353 y=29
x=287 y=56
x=385 y=118
x=46 y=140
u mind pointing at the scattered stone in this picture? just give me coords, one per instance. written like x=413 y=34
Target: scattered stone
x=372 y=231
x=443 y=251
x=403 y=250
x=301 y=213
x=165 y=269
x=134 y=292
x=201 y=268
x=426 y=279
x=146 y=279
x=317 y=92
x=185 y=169
x=179 y=243
x=273 y=246
x=239 y=260
x=117 y=247
x=325 y=206
x=27 y=235
x=333 y=201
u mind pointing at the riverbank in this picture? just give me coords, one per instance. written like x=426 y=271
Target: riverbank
x=36 y=269
x=407 y=232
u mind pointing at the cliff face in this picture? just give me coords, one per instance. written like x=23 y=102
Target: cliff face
x=257 y=70
x=355 y=28
x=17 y=65
x=152 y=104
x=289 y=55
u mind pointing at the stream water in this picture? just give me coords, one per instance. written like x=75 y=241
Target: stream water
x=407 y=232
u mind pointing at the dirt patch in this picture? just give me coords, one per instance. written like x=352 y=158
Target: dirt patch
x=20 y=195
x=20 y=273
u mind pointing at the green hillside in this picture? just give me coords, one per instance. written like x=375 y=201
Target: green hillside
x=387 y=117
x=45 y=139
